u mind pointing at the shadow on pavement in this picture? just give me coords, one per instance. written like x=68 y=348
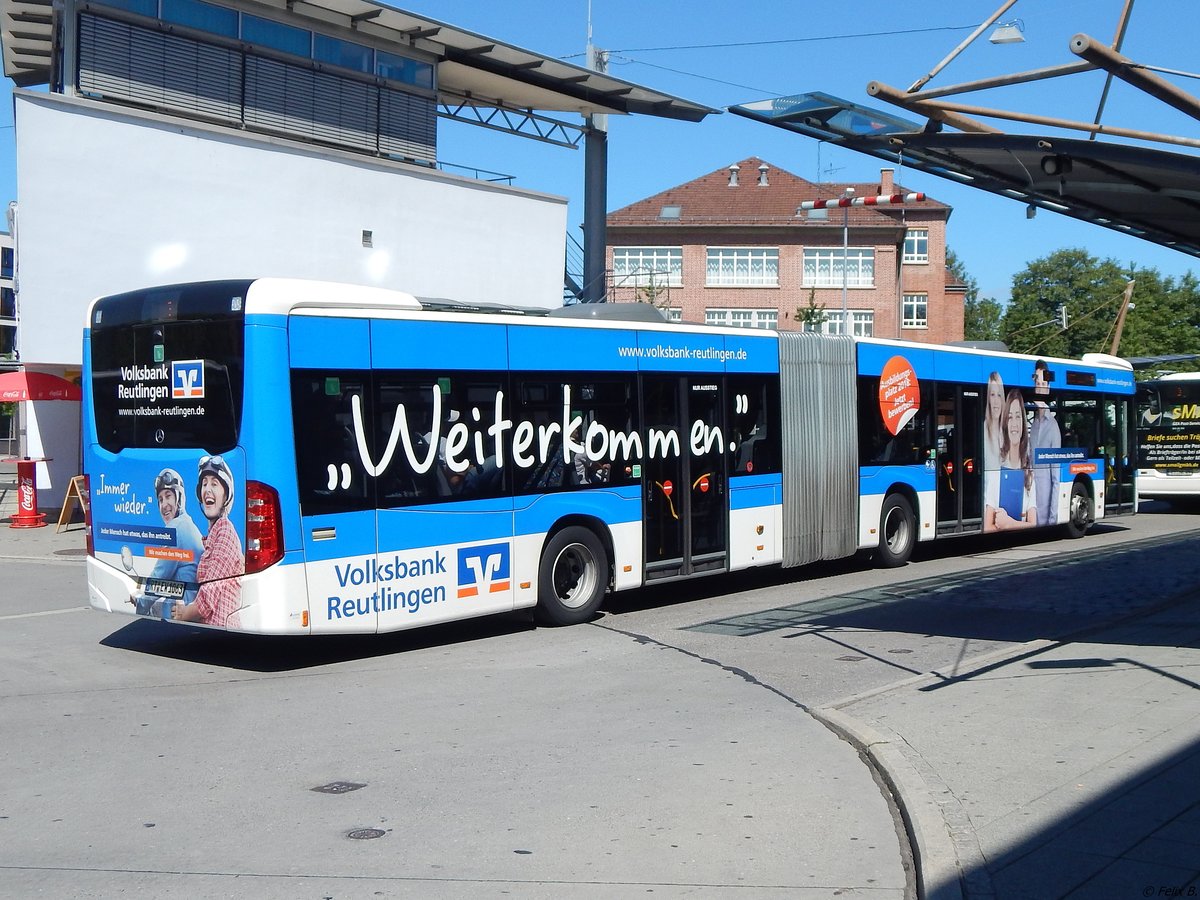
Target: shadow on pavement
x=1013 y=602
x=1138 y=838
x=266 y=653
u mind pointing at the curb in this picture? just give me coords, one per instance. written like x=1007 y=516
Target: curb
x=935 y=858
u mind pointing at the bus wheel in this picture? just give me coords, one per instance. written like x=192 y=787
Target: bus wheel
x=572 y=578
x=1079 y=520
x=897 y=532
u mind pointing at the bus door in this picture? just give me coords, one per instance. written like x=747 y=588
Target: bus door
x=959 y=459
x=1119 y=461
x=685 y=494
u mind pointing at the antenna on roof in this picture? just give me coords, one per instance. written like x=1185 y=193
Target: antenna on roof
x=828 y=170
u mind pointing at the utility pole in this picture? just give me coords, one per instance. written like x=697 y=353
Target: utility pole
x=1125 y=305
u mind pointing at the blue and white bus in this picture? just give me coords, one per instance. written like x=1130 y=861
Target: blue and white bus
x=285 y=457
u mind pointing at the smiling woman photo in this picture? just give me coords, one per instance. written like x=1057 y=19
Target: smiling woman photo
x=219 y=598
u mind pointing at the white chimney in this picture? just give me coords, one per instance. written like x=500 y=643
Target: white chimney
x=733 y=172
x=762 y=175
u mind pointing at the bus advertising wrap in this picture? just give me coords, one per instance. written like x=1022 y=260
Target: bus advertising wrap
x=172 y=525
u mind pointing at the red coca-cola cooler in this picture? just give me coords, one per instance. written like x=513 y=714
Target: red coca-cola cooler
x=27 y=509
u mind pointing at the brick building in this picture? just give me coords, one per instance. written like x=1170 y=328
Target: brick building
x=732 y=248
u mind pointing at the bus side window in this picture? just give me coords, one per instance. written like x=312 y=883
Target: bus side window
x=329 y=470
x=753 y=417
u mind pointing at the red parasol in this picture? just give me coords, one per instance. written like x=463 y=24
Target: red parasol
x=26 y=385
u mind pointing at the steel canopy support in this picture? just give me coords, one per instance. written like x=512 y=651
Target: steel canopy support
x=1128 y=71
x=595 y=203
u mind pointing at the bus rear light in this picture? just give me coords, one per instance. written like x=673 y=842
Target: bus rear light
x=87 y=516
x=264 y=527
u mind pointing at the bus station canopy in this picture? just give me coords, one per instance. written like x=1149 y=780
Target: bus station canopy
x=470 y=67
x=1151 y=194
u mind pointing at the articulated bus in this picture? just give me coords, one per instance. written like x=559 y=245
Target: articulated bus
x=1168 y=435
x=286 y=457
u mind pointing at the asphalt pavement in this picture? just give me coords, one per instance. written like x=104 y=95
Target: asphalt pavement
x=1065 y=767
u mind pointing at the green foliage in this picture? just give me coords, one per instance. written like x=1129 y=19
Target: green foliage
x=1164 y=318
x=981 y=318
x=811 y=317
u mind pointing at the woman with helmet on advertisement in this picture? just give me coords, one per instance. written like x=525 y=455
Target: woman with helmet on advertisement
x=181 y=566
x=220 y=595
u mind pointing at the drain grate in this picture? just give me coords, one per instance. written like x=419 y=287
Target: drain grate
x=365 y=834
x=338 y=787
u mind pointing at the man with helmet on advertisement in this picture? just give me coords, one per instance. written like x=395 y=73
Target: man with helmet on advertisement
x=219 y=597
x=181 y=565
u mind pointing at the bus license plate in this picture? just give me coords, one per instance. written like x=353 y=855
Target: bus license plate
x=172 y=590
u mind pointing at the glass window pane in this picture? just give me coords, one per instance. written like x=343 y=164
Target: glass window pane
x=401 y=68
x=148 y=8
x=277 y=36
x=201 y=16
x=343 y=53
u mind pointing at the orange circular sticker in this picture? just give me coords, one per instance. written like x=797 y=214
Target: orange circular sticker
x=899 y=394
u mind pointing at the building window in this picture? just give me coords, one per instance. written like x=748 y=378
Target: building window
x=862 y=323
x=6 y=262
x=823 y=267
x=673 y=314
x=647 y=266
x=742 y=267
x=916 y=311
x=742 y=318
x=916 y=245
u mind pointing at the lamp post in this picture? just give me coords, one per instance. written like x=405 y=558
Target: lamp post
x=847 y=196
x=845 y=201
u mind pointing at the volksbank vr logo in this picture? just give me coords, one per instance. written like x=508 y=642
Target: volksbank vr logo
x=187 y=379
x=483 y=570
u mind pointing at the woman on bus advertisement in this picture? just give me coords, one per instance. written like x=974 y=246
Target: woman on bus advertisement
x=992 y=426
x=220 y=595
x=180 y=564
x=1010 y=500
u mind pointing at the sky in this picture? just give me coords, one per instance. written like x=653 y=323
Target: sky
x=721 y=55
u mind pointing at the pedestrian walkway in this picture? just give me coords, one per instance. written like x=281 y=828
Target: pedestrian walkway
x=1053 y=769
x=42 y=543
x=1063 y=769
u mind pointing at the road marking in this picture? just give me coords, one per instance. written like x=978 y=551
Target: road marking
x=46 y=612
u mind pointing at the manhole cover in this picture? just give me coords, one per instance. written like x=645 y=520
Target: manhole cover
x=851 y=658
x=338 y=787
x=73 y=551
x=365 y=834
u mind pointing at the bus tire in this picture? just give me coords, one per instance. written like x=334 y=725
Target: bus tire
x=897 y=532
x=572 y=577
x=1079 y=513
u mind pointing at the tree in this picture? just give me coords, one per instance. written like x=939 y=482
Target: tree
x=1164 y=317
x=811 y=317
x=1089 y=288
x=981 y=318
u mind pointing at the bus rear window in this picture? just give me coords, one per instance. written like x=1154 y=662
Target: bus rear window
x=167 y=367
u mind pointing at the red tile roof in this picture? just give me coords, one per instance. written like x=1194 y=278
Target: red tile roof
x=710 y=200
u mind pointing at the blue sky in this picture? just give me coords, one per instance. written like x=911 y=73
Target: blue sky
x=779 y=47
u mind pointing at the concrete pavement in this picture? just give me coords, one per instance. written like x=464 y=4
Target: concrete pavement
x=1063 y=768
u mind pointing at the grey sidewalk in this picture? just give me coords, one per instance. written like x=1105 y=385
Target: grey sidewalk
x=43 y=543
x=1064 y=769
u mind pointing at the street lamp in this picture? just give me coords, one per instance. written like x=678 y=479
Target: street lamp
x=847 y=195
x=845 y=201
